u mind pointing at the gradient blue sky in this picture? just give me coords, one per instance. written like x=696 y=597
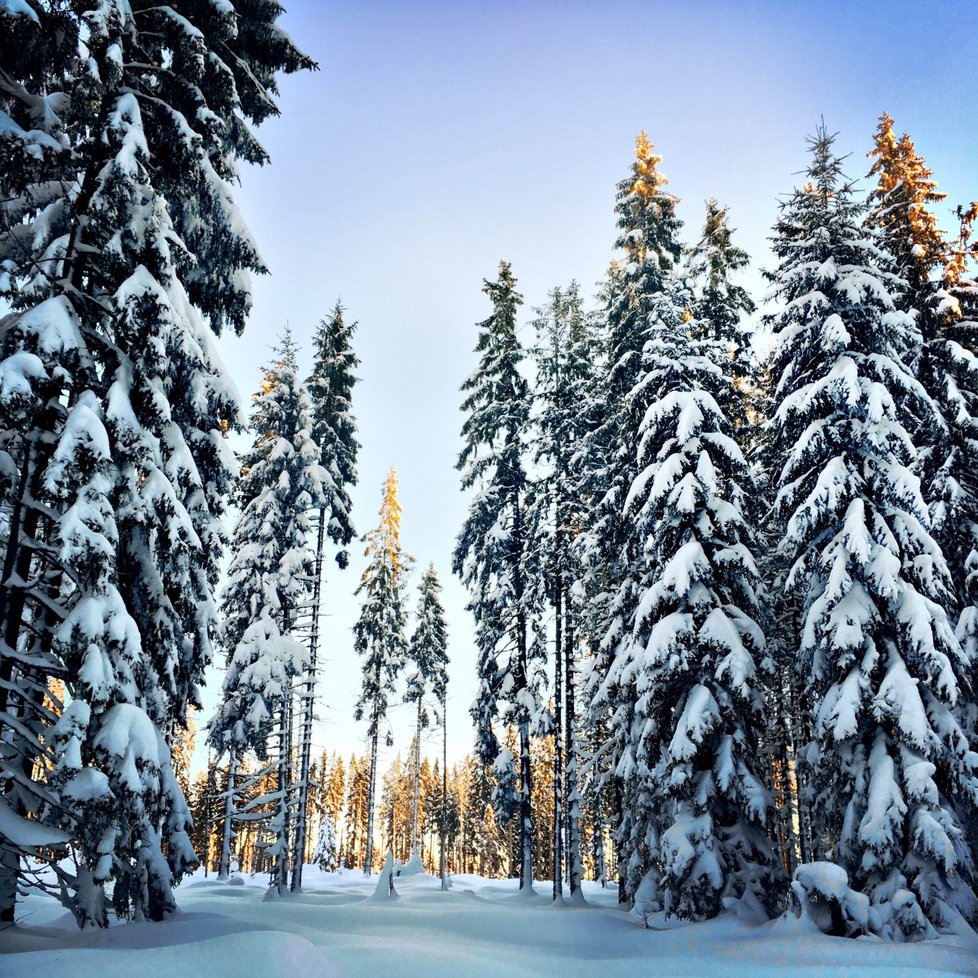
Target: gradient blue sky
x=439 y=137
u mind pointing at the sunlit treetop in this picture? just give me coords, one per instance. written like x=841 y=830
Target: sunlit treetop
x=648 y=179
x=387 y=536
x=904 y=191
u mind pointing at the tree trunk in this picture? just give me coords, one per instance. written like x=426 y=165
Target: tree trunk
x=308 y=714
x=280 y=872
x=444 y=796
x=520 y=685
x=558 y=823
x=573 y=801
x=417 y=785
x=224 y=869
x=371 y=786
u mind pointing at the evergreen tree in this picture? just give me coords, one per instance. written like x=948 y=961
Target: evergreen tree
x=378 y=635
x=334 y=430
x=121 y=249
x=428 y=654
x=565 y=375
x=692 y=664
x=268 y=583
x=492 y=555
x=649 y=240
x=939 y=297
x=719 y=306
x=878 y=661
x=326 y=853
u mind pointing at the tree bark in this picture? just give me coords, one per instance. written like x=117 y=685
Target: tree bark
x=308 y=714
x=224 y=869
x=444 y=796
x=417 y=785
x=558 y=825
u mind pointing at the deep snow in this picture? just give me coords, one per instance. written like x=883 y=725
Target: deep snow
x=480 y=928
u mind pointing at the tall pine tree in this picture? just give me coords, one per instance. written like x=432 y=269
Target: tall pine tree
x=878 y=662
x=492 y=553
x=693 y=663
x=649 y=242
x=121 y=249
x=268 y=584
x=379 y=635
x=334 y=430
x=428 y=654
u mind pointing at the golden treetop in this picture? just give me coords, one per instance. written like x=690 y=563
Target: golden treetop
x=899 y=166
x=387 y=536
x=648 y=180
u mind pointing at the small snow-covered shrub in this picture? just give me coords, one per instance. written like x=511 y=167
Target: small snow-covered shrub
x=820 y=892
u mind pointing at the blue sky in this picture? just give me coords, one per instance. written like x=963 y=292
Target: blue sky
x=440 y=137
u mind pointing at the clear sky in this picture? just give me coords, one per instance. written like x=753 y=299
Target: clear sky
x=439 y=137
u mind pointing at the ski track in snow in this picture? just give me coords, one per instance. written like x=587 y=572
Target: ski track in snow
x=481 y=928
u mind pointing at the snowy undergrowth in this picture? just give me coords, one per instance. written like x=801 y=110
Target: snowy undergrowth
x=479 y=928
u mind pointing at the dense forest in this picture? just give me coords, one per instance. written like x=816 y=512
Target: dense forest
x=722 y=561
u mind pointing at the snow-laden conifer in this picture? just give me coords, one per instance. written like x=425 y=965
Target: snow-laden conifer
x=326 y=853
x=428 y=679
x=121 y=249
x=649 y=242
x=565 y=376
x=693 y=663
x=268 y=581
x=720 y=306
x=879 y=666
x=334 y=430
x=492 y=554
x=379 y=635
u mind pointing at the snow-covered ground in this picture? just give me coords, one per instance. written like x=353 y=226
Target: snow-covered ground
x=480 y=928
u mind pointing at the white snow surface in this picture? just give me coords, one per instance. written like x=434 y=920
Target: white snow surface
x=480 y=928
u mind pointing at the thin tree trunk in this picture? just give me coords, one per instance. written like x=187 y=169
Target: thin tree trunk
x=224 y=869
x=308 y=713
x=558 y=821
x=444 y=796
x=573 y=812
x=371 y=785
x=520 y=685
x=281 y=869
x=417 y=785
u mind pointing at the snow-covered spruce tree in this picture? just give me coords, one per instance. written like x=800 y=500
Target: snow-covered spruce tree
x=428 y=654
x=268 y=583
x=564 y=357
x=693 y=661
x=649 y=239
x=956 y=522
x=878 y=664
x=334 y=430
x=120 y=248
x=379 y=635
x=326 y=853
x=932 y=267
x=720 y=305
x=492 y=553
x=955 y=507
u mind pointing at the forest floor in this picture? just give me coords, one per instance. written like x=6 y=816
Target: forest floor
x=479 y=928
